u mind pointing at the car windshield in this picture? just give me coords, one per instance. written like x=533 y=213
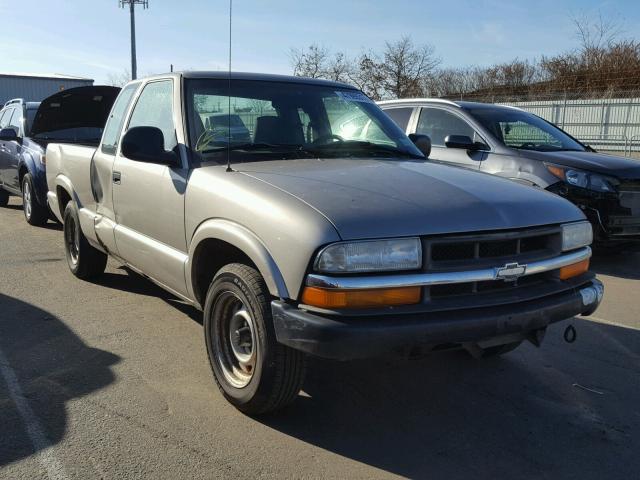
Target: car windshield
x=273 y=120
x=523 y=130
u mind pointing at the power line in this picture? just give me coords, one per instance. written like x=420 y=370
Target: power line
x=132 y=8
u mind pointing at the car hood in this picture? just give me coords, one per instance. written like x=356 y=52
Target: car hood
x=372 y=198
x=620 y=167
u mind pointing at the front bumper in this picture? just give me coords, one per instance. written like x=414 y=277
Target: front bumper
x=347 y=338
x=615 y=216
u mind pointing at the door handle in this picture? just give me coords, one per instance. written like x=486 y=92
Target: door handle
x=117 y=177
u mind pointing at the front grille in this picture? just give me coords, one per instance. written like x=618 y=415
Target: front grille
x=631 y=200
x=494 y=250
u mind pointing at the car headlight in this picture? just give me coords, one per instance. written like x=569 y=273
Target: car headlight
x=582 y=178
x=370 y=256
x=576 y=235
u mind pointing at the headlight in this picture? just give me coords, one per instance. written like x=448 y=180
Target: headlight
x=370 y=256
x=582 y=179
x=576 y=235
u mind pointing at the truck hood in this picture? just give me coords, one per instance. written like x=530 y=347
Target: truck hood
x=619 y=167
x=75 y=108
x=373 y=198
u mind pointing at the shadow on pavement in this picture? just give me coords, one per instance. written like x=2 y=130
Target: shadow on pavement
x=52 y=366
x=450 y=416
x=622 y=265
x=127 y=280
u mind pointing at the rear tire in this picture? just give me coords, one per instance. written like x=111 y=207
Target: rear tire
x=34 y=213
x=84 y=261
x=4 y=198
x=253 y=371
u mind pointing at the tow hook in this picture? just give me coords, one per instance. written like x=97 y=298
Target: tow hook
x=570 y=334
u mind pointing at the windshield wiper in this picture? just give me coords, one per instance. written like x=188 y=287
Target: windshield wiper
x=249 y=147
x=361 y=145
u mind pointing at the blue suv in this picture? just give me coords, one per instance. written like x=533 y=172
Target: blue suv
x=22 y=161
x=74 y=116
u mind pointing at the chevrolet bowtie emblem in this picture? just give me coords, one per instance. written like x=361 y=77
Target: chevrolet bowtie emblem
x=510 y=272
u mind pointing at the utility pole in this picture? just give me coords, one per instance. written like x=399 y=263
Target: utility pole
x=132 y=11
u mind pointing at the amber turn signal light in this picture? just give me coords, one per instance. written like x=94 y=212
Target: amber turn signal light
x=382 y=297
x=574 y=269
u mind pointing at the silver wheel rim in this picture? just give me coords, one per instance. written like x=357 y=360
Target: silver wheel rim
x=234 y=340
x=26 y=199
x=72 y=239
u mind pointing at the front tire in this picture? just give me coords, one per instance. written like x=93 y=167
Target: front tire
x=34 y=213
x=84 y=261
x=253 y=371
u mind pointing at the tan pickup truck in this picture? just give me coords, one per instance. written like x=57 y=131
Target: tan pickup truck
x=325 y=232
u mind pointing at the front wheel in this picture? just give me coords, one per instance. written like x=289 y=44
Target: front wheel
x=253 y=371
x=34 y=213
x=84 y=261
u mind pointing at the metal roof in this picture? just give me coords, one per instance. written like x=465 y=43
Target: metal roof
x=267 y=77
x=56 y=76
x=459 y=104
x=404 y=101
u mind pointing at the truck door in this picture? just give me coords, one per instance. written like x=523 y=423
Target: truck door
x=102 y=167
x=439 y=123
x=148 y=197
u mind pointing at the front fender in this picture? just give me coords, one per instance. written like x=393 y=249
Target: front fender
x=245 y=240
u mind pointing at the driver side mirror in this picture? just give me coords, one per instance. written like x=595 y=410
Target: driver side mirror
x=146 y=144
x=460 y=141
x=423 y=142
x=8 y=134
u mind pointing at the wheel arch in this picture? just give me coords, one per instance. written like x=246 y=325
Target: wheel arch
x=64 y=193
x=234 y=243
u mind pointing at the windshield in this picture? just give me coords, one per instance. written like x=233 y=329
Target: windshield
x=523 y=130
x=274 y=120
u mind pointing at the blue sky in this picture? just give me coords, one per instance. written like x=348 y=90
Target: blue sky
x=91 y=37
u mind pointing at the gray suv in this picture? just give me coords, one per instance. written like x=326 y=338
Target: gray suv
x=518 y=145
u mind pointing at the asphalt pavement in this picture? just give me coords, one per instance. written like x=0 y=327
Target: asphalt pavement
x=110 y=380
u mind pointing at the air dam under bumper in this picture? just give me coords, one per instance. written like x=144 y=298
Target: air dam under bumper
x=344 y=338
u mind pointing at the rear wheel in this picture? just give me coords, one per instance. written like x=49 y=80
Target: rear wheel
x=84 y=261
x=253 y=371
x=34 y=213
x=4 y=198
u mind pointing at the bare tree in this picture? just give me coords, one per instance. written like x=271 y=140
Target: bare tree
x=404 y=66
x=368 y=76
x=309 y=62
x=119 y=79
x=595 y=33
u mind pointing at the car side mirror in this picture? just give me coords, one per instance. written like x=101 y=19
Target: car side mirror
x=423 y=142
x=460 y=141
x=8 y=134
x=146 y=144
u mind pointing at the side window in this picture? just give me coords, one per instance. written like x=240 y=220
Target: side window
x=438 y=124
x=116 y=119
x=154 y=108
x=400 y=116
x=16 y=119
x=5 y=117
